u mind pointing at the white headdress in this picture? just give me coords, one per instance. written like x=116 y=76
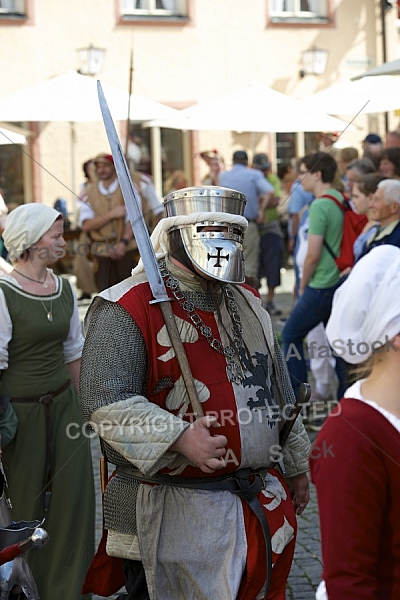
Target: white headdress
x=366 y=307
x=25 y=225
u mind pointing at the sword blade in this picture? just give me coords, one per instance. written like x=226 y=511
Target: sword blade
x=133 y=205
x=147 y=254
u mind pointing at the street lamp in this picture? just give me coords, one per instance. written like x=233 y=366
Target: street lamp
x=91 y=60
x=314 y=62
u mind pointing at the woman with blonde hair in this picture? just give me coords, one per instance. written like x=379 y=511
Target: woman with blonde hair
x=356 y=456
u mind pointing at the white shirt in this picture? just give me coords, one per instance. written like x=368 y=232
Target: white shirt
x=73 y=344
x=3 y=212
x=146 y=188
x=354 y=391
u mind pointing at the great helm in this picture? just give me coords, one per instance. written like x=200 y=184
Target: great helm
x=212 y=241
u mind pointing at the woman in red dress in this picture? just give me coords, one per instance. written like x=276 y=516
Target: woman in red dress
x=355 y=461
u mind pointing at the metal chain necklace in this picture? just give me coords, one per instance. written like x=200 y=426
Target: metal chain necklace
x=234 y=369
x=44 y=284
x=49 y=312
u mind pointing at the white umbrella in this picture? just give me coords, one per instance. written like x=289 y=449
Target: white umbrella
x=73 y=98
x=11 y=137
x=252 y=108
x=69 y=97
x=387 y=68
x=365 y=96
x=143 y=109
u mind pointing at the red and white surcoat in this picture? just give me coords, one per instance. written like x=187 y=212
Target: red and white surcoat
x=195 y=543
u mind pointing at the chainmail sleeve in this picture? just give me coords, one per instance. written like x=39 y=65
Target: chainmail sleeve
x=105 y=379
x=297 y=448
x=283 y=375
x=112 y=390
x=107 y=373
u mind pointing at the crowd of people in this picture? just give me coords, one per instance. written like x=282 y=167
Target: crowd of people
x=203 y=499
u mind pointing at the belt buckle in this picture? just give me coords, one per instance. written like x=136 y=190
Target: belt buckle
x=249 y=489
x=244 y=483
x=262 y=479
x=46 y=399
x=257 y=476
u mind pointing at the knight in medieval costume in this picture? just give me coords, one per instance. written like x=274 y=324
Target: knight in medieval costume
x=181 y=504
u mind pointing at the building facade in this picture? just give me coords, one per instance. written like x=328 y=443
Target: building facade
x=184 y=51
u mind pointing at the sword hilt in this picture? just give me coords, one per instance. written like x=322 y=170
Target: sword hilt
x=303 y=396
x=38 y=539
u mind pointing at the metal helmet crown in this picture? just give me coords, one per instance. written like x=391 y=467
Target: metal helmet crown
x=213 y=241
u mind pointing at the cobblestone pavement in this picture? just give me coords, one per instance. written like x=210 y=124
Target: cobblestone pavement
x=306 y=569
x=95 y=445
x=305 y=574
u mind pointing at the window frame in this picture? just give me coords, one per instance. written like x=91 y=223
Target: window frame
x=22 y=15
x=154 y=16
x=300 y=18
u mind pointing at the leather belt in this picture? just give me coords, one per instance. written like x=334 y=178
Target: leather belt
x=244 y=483
x=46 y=400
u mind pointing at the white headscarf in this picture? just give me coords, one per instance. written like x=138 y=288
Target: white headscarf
x=366 y=307
x=25 y=225
x=3 y=212
x=159 y=237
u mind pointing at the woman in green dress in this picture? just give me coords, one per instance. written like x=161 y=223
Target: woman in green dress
x=48 y=463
